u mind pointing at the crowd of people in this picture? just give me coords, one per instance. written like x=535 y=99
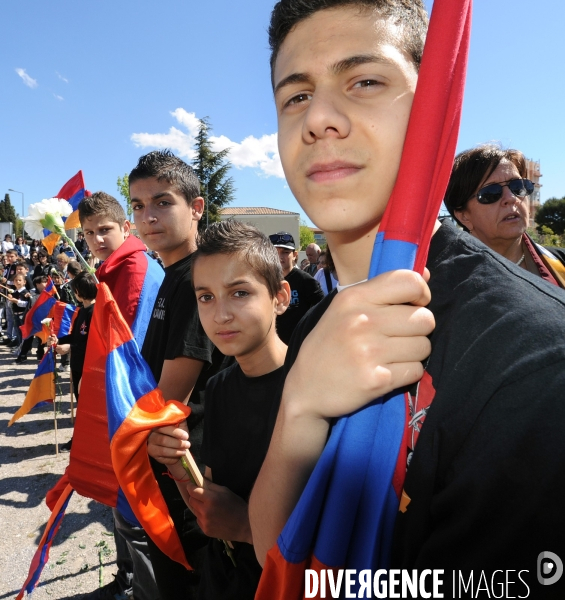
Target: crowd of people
x=268 y=354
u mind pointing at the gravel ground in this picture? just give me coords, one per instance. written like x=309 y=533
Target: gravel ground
x=83 y=553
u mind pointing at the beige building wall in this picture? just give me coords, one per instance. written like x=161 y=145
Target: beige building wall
x=270 y=224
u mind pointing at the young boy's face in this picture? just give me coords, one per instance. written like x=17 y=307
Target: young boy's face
x=234 y=305
x=12 y=257
x=164 y=219
x=343 y=93
x=57 y=279
x=19 y=281
x=40 y=287
x=104 y=236
x=23 y=271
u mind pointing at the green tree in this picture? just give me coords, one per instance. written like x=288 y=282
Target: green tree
x=306 y=236
x=123 y=188
x=8 y=212
x=212 y=169
x=552 y=214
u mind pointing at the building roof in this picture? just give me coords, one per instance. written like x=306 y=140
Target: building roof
x=254 y=210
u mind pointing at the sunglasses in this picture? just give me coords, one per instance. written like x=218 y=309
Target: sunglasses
x=281 y=239
x=493 y=192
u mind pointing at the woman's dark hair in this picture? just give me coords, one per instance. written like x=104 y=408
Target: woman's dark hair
x=472 y=167
x=163 y=164
x=234 y=237
x=84 y=285
x=409 y=15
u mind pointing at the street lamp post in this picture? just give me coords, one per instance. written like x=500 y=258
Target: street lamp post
x=11 y=190
x=23 y=214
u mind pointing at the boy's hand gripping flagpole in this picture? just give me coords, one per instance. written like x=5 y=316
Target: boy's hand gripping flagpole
x=345 y=516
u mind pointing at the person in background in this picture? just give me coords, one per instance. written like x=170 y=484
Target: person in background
x=6 y=243
x=45 y=265
x=489 y=196
x=312 y=253
x=33 y=260
x=22 y=247
x=81 y=244
x=326 y=275
x=73 y=269
x=19 y=298
x=39 y=282
x=84 y=289
x=304 y=289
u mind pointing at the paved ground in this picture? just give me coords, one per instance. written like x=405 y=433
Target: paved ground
x=28 y=468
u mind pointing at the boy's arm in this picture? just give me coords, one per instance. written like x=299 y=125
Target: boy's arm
x=179 y=377
x=369 y=342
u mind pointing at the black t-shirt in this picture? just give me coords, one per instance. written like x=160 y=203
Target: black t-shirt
x=78 y=337
x=305 y=292
x=239 y=419
x=174 y=330
x=487 y=473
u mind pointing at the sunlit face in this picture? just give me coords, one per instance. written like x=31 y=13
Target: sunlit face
x=61 y=263
x=343 y=93
x=164 y=219
x=57 y=279
x=322 y=262
x=23 y=271
x=288 y=259
x=43 y=259
x=12 y=257
x=503 y=221
x=312 y=254
x=234 y=305
x=34 y=257
x=104 y=236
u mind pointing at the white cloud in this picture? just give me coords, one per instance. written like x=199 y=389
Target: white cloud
x=61 y=77
x=29 y=81
x=256 y=153
x=58 y=97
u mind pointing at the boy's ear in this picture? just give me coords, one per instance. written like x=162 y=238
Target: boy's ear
x=126 y=228
x=197 y=208
x=282 y=298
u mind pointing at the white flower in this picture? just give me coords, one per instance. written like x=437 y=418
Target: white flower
x=46 y=321
x=47 y=214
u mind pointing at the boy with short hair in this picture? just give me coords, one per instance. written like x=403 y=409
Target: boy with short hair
x=240 y=291
x=128 y=272
x=39 y=283
x=344 y=73
x=18 y=300
x=167 y=206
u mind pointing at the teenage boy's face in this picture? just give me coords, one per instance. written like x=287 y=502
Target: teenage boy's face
x=287 y=258
x=343 y=93
x=164 y=219
x=234 y=305
x=104 y=236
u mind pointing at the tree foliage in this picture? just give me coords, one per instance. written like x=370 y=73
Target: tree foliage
x=306 y=236
x=8 y=212
x=552 y=214
x=212 y=169
x=123 y=188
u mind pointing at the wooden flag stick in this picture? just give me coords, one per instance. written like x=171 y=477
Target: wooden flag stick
x=190 y=466
x=55 y=421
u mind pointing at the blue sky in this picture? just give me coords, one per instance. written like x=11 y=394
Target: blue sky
x=83 y=83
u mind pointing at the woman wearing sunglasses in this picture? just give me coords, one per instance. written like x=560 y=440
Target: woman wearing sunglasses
x=489 y=195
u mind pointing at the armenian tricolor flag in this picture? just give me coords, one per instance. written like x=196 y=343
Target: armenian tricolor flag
x=134 y=406
x=345 y=516
x=73 y=192
x=42 y=554
x=39 y=311
x=42 y=387
x=134 y=280
x=63 y=316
